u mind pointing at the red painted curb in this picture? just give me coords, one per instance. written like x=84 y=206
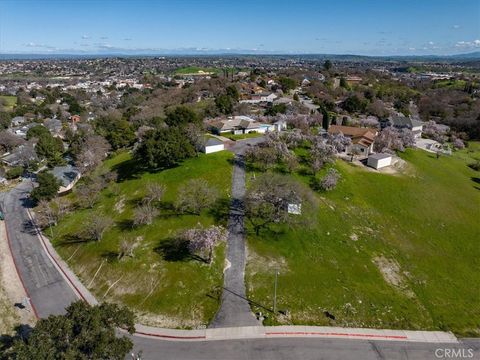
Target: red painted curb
x=339 y=334
x=18 y=272
x=172 y=336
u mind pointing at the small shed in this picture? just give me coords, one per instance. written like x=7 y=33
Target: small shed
x=213 y=145
x=379 y=160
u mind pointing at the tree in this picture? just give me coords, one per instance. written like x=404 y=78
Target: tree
x=327 y=65
x=295 y=97
x=181 y=116
x=88 y=192
x=273 y=110
x=37 y=131
x=49 y=148
x=330 y=180
x=224 y=104
x=195 y=195
x=144 y=215
x=164 y=148
x=325 y=120
x=321 y=153
x=203 y=240
x=96 y=226
x=5 y=120
x=287 y=83
x=232 y=91
x=47 y=188
x=354 y=104
x=154 y=193
x=8 y=141
x=92 y=149
x=268 y=198
x=84 y=332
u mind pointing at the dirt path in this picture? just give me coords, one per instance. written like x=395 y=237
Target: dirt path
x=11 y=290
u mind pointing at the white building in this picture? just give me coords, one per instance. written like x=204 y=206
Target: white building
x=213 y=145
x=379 y=160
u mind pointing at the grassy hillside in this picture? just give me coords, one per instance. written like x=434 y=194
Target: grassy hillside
x=8 y=102
x=174 y=290
x=387 y=251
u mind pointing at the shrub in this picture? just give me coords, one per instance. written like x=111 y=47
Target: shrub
x=14 y=172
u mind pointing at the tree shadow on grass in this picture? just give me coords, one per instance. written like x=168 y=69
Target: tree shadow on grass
x=70 y=239
x=220 y=210
x=110 y=256
x=6 y=340
x=125 y=224
x=476 y=179
x=129 y=169
x=176 y=249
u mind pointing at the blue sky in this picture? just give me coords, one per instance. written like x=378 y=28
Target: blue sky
x=370 y=27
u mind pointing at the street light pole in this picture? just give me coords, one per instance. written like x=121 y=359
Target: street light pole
x=275 y=293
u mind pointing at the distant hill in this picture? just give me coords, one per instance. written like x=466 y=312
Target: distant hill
x=224 y=52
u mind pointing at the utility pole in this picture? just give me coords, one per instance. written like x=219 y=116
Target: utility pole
x=275 y=293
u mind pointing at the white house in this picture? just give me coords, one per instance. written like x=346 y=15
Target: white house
x=379 y=160
x=260 y=98
x=213 y=145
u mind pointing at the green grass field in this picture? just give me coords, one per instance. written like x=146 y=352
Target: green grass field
x=387 y=251
x=10 y=101
x=242 y=136
x=191 y=70
x=164 y=289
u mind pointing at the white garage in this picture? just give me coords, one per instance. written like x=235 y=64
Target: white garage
x=213 y=145
x=378 y=161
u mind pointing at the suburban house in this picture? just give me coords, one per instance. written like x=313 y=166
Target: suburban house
x=54 y=126
x=18 y=120
x=239 y=125
x=260 y=98
x=213 y=145
x=379 y=160
x=67 y=175
x=362 y=138
x=404 y=122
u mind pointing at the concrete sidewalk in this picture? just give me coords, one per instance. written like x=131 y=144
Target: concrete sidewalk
x=267 y=332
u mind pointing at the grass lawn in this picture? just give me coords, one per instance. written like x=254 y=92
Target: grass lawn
x=190 y=70
x=242 y=136
x=164 y=287
x=387 y=251
x=10 y=101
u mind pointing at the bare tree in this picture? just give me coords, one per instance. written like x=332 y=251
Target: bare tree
x=154 y=193
x=195 y=195
x=88 y=193
x=203 y=240
x=330 y=180
x=96 y=226
x=126 y=248
x=268 y=198
x=8 y=141
x=93 y=150
x=144 y=215
x=46 y=214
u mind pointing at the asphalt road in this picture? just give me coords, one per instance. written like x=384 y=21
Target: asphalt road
x=47 y=289
x=299 y=349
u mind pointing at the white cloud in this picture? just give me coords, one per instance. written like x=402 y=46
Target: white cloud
x=431 y=43
x=85 y=37
x=39 y=46
x=468 y=44
x=456 y=27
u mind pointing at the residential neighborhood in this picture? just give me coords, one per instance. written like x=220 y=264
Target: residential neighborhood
x=229 y=181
